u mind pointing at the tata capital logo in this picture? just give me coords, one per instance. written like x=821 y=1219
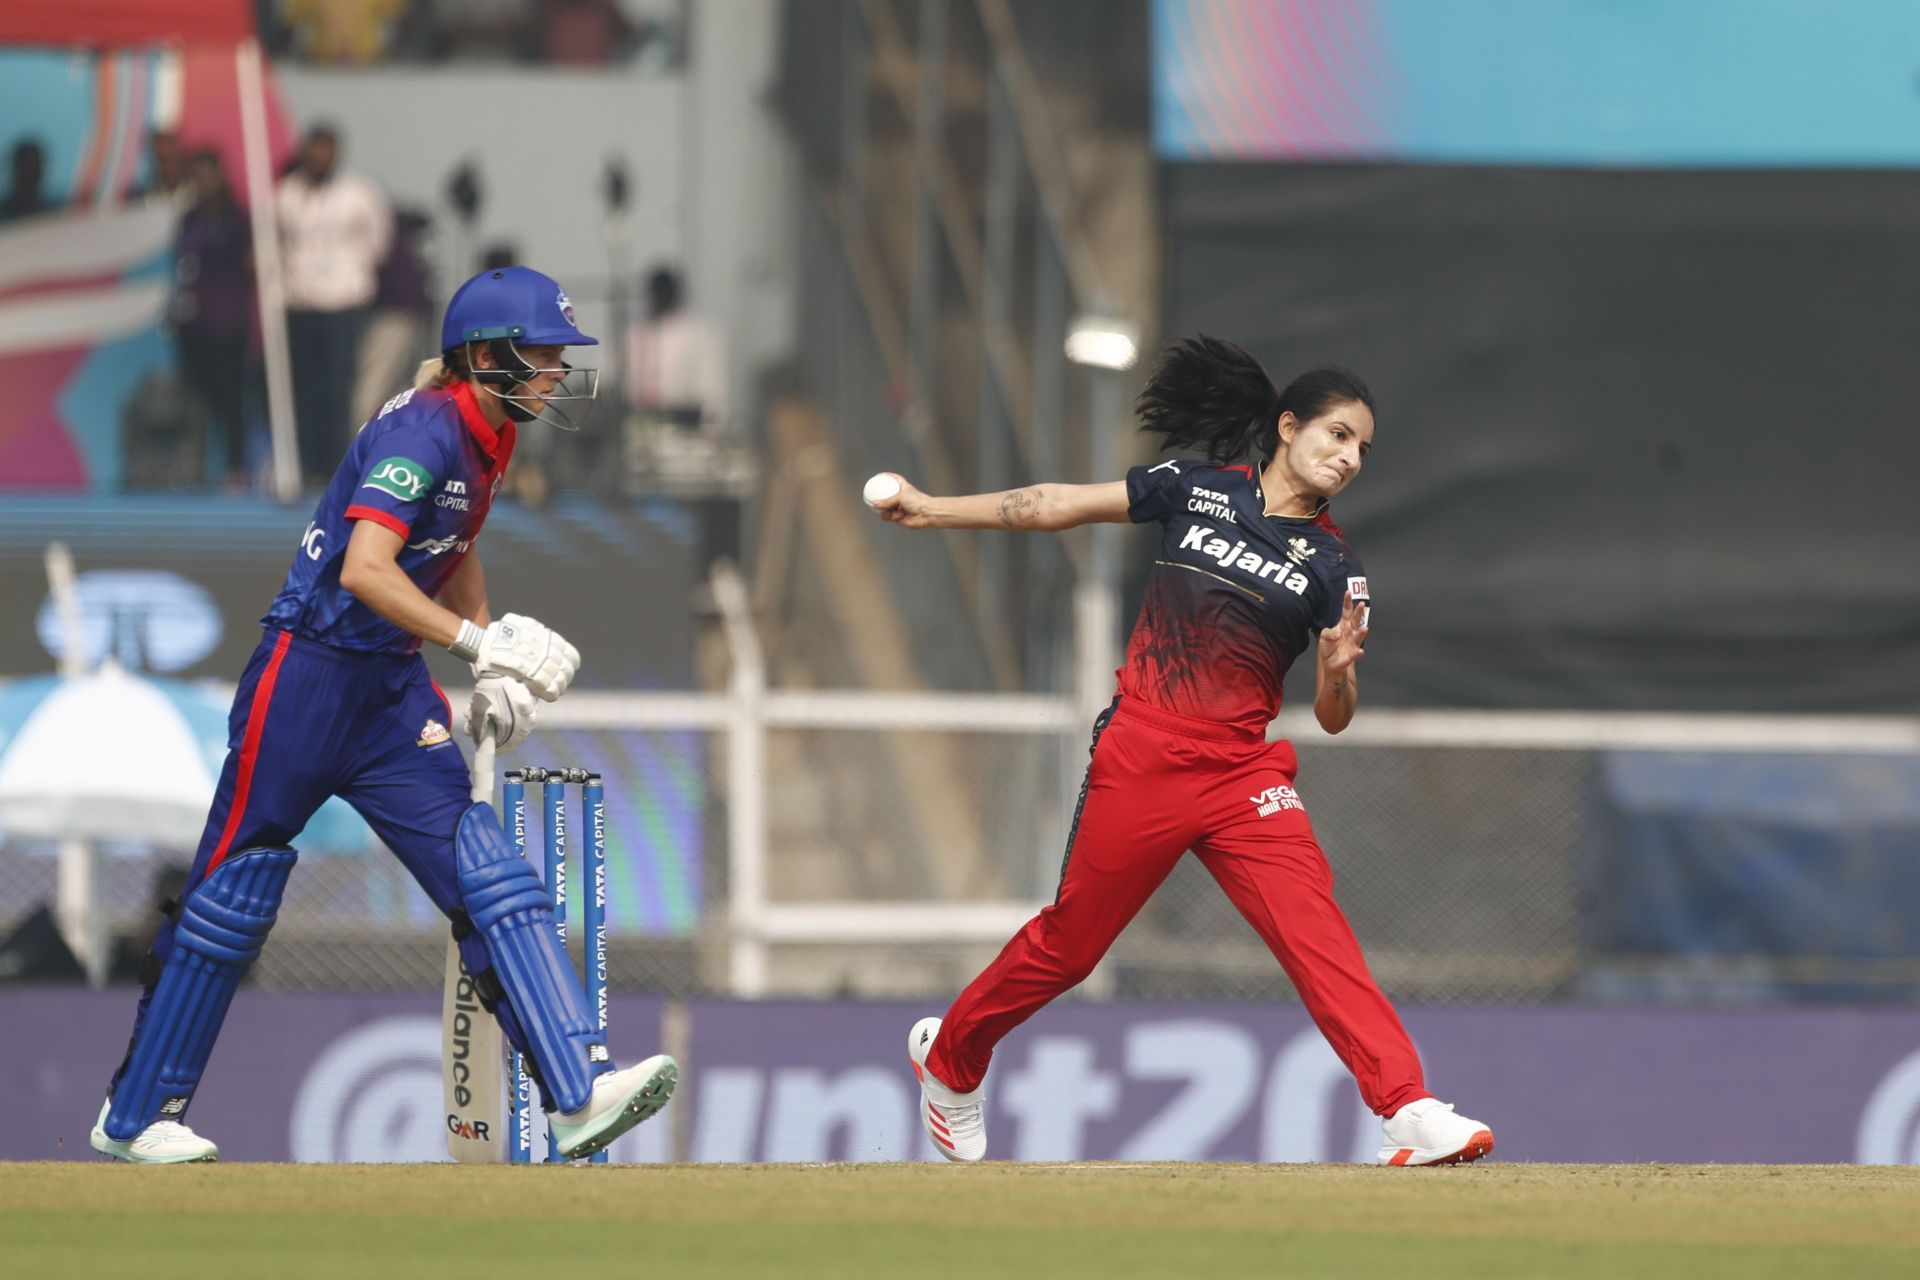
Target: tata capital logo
x=1211 y=502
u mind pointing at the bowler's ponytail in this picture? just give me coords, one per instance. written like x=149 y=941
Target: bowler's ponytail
x=1210 y=396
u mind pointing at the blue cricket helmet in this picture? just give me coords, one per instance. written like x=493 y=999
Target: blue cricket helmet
x=511 y=302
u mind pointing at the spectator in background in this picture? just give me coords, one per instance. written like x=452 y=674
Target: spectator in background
x=480 y=29
x=675 y=368
x=213 y=308
x=26 y=192
x=168 y=181
x=335 y=229
x=499 y=256
x=402 y=306
x=584 y=32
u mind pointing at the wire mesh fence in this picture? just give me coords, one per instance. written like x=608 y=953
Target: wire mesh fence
x=911 y=816
x=893 y=858
x=1455 y=866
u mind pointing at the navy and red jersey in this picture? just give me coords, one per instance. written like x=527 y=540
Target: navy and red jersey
x=427 y=467
x=1235 y=594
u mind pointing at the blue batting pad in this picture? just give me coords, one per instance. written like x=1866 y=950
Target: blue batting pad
x=223 y=924
x=479 y=963
x=510 y=908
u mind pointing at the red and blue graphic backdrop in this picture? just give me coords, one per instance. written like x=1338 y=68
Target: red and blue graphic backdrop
x=83 y=287
x=1652 y=83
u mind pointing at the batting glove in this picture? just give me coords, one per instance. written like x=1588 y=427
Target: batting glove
x=519 y=646
x=502 y=708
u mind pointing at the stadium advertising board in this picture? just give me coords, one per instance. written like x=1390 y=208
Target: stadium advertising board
x=355 y=1078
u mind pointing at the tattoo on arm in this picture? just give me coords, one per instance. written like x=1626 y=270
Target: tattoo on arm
x=1018 y=508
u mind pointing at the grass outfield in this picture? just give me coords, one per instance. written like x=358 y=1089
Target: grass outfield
x=1644 y=1222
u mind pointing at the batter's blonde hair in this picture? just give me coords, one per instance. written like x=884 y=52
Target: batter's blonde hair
x=440 y=372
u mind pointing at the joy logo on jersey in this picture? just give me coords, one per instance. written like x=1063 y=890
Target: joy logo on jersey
x=402 y=478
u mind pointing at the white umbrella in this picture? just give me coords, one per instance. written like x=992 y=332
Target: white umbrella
x=107 y=756
x=110 y=756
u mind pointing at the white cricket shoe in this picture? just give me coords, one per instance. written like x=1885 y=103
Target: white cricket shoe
x=1428 y=1132
x=952 y=1119
x=162 y=1142
x=620 y=1100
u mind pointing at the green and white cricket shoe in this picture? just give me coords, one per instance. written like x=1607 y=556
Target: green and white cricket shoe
x=621 y=1100
x=162 y=1142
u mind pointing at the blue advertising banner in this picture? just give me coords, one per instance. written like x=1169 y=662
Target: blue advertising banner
x=355 y=1078
x=307 y=1077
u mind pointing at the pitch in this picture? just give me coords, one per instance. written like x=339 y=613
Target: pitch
x=1104 y=1220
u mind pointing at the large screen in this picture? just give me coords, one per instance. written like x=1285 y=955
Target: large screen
x=1771 y=83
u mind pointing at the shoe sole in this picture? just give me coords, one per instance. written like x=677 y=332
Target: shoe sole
x=1478 y=1145
x=212 y=1157
x=643 y=1105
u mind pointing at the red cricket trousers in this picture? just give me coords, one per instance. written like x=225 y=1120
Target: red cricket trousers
x=1161 y=784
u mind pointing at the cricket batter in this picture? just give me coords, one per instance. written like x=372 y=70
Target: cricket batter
x=337 y=701
x=1252 y=572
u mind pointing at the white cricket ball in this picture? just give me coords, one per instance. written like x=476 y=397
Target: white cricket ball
x=879 y=488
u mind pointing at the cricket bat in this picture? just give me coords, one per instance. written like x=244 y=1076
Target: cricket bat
x=472 y=1072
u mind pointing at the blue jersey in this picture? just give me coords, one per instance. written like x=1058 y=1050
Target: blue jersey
x=1235 y=594
x=427 y=467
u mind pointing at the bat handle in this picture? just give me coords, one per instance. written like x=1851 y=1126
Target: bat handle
x=483 y=770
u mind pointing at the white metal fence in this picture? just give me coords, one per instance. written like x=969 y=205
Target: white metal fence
x=806 y=842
